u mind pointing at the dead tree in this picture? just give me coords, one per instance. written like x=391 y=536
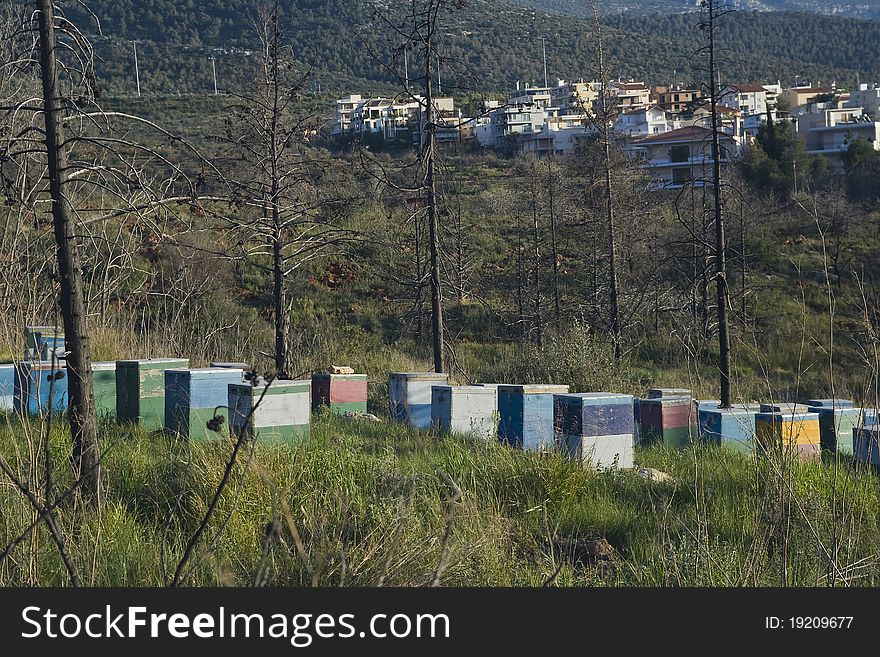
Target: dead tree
x=81 y=405
x=713 y=10
x=94 y=173
x=283 y=220
x=418 y=30
x=605 y=122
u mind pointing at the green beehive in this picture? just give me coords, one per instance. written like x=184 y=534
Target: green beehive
x=140 y=390
x=104 y=383
x=277 y=413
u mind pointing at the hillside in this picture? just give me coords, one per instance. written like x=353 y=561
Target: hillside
x=864 y=9
x=492 y=45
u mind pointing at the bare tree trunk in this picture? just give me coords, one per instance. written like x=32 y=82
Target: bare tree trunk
x=282 y=358
x=720 y=240
x=536 y=236
x=554 y=253
x=433 y=222
x=86 y=455
x=605 y=134
x=520 y=280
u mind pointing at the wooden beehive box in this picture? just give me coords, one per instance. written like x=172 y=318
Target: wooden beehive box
x=409 y=396
x=671 y=421
x=7 y=388
x=195 y=396
x=343 y=393
x=731 y=428
x=831 y=403
x=525 y=416
x=140 y=390
x=660 y=393
x=597 y=428
x=789 y=431
x=35 y=393
x=836 y=424
x=866 y=445
x=279 y=412
x=37 y=340
x=230 y=365
x=470 y=410
x=104 y=384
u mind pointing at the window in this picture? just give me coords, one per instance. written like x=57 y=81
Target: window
x=680 y=153
x=681 y=175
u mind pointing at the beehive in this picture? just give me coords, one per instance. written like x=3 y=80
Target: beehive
x=866 y=445
x=466 y=410
x=785 y=407
x=104 y=384
x=637 y=420
x=660 y=393
x=140 y=390
x=41 y=341
x=233 y=366
x=343 y=393
x=791 y=431
x=836 y=424
x=194 y=396
x=597 y=427
x=7 y=388
x=409 y=396
x=831 y=403
x=35 y=393
x=526 y=416
x=671 y=421
x=279 y=412
x=731 y=428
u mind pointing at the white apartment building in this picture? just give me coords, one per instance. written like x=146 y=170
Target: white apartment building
x=835 y=139
x=642 y=122
x=344 y=108
x=629 y=94
x=680 y=157
x=503 y=124
x=867 y=96
x=746 y=98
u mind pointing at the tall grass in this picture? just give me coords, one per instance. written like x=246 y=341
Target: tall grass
x=368 y=503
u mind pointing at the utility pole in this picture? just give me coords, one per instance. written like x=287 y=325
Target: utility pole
x=137 y=73
x=405 y=68
x=214 y=71
x=544 y=49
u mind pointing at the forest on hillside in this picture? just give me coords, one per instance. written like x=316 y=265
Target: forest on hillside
x=486 y=47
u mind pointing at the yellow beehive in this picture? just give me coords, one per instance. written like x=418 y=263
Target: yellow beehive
x=790 y=430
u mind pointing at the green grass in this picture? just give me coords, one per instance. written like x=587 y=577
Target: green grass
x=368 y=501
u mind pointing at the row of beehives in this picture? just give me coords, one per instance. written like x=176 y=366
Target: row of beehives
x=603 y=428
x=168 y=394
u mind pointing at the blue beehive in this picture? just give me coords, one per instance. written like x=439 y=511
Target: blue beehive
x=830 y=403
x=866 y=445
x=36 y=383
x=526 y=415
x=195 y=396
x=732 y=428
x=597 y=427
x=7 y=387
